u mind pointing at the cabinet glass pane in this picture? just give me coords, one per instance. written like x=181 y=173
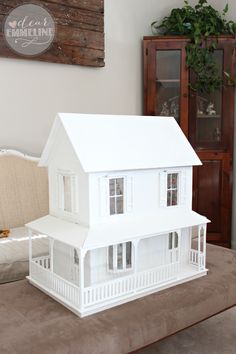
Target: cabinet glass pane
x=209 y=112
x=168 y=83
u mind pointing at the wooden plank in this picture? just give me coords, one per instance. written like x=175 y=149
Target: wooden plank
x=63 y=54
x=79 y=36
x=76 y=37
x=84 y=20
x=90 y=5
x=61 y=11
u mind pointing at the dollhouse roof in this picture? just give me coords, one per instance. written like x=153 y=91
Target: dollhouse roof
x=115 y=143
x=118 y=231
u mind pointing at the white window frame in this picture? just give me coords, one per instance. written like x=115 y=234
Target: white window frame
x=173 y=251
x=61 y=192
x=164 y=188
x=115 y=196
x=76 y=257
x=173 y=189
x=115 y=259
x=173 y=235
x=105 y=195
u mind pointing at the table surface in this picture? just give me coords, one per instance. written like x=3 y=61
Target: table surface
x=32 y=323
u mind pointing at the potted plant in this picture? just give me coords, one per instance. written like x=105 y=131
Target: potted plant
x=203 y=25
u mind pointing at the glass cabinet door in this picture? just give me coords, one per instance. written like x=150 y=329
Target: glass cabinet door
x=168 y=65
x=206 y=115
x=207 y=120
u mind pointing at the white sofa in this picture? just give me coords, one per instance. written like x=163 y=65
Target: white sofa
x=23 y=197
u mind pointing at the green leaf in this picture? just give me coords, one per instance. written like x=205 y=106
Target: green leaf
x=226 y=8
x=199 y=23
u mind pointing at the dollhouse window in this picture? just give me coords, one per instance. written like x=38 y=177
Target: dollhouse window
x=120 y=257
x=67 y=192
x=116 y=195
x=172 y=189
x=76 y=257
x=173 y=240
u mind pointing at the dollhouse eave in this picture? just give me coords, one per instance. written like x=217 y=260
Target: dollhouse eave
x=116 y=231
x=104 y=143
x=60 y=230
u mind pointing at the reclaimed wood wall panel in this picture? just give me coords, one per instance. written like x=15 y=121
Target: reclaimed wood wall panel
x=79 y=36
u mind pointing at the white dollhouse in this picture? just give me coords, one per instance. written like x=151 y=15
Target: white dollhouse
x=121 y=224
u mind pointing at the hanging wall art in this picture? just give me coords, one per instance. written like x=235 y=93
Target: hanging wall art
x=58 y=31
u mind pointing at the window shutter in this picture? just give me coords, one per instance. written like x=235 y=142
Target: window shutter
x=104 y=196
x=74 y=193
x=182 y=190
x=60 y=192
x=163 y=189
x=129 y=192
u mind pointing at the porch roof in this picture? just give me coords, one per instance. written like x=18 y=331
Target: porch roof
x=118 y=231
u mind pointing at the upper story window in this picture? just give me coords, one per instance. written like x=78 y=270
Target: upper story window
x=120 y=257
x=67 y=193
x=172 y=189
x=67 y=183
x=116 y=195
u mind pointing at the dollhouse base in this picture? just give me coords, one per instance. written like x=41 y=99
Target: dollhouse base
x=187 y=273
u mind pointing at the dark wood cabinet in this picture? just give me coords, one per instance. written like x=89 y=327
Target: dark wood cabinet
x=206 y=120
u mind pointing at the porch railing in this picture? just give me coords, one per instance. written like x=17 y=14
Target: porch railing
x=40 y=273
x=130 y=284
x=111 y=290
x=197 y=258
x=43 y=261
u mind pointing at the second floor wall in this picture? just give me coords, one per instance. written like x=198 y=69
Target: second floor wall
x=139 y=193
x=103 y=197
x=90 y=198
x=68 y=184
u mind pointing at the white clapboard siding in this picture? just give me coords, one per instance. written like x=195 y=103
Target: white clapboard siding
x=163 y=188
x=104 y=204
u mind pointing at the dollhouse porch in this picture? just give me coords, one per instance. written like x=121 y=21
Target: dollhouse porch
x=84 y=297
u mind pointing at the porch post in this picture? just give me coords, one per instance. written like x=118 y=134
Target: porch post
x=30 y=250
x=136 y=244
x=204 y=246
x=82 y=254
x=199 y=245
x=51 y=253
x=179 y=253
x=179 y=233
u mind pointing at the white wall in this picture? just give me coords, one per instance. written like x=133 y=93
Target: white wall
x=32 y=92
x=64 y=159
x=152 y=252
x=142 y=194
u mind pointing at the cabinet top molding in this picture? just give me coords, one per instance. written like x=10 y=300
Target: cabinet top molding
x=177 y=37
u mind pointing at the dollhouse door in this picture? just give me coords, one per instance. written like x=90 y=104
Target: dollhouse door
x=173 y=246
